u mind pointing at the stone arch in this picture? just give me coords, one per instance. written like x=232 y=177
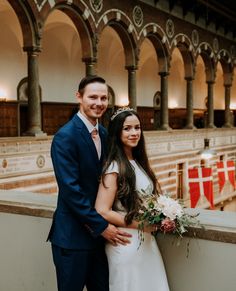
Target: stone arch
x=160 y=42
x=206 y=52
x=123 y=26
x=29 y=25
x=84 y=23
x=227 y=66
x=183 y=43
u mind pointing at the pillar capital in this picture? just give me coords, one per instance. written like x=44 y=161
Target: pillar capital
x=210 y=82
x=131 y=68
x=163 y=74
x=89 y=60
x=90 y=65
x=228 y=85
x=32 y=50
x=189 y=78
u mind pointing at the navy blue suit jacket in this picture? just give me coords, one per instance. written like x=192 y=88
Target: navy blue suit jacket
x=76 y=224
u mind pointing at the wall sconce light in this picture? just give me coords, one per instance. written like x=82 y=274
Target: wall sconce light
x=122 y=101
x=207 y=153
x=233 y=106
x=172 y=104
x=3 y=95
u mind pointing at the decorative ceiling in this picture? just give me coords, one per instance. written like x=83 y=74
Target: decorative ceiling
x=222 y=14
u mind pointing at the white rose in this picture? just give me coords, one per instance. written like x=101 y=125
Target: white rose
x=170 y=207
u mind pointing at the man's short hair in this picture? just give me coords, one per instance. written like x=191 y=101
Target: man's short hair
x=88 y=80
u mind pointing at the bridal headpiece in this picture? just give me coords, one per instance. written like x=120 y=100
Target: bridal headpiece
x=120 y=110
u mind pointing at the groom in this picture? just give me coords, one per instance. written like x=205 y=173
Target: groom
x=78 y=231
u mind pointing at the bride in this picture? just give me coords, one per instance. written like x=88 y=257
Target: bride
x=137 y=266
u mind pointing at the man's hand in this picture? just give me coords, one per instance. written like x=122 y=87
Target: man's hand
x=115 y=235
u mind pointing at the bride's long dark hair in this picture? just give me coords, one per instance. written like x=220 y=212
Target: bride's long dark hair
x=126 y=180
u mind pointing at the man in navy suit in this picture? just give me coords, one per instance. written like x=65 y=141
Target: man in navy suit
x=78 y=231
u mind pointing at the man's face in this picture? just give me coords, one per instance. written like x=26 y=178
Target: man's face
x=94 y=101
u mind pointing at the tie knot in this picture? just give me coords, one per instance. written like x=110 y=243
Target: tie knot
x=94 y=133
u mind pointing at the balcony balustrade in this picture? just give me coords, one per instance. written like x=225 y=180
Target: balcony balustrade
x=26 y=260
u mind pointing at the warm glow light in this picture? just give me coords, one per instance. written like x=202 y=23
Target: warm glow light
x=173 y=103
x=232 y=105
x=122 y=101
x=207 y=155
x=3 y=93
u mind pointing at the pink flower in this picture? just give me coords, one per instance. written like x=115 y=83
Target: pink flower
x=168 y=225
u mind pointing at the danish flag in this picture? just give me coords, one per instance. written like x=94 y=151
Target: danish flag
x=226 y=172
x=200 y=184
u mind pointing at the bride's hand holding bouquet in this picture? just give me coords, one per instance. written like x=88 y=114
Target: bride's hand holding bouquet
x=164 y=214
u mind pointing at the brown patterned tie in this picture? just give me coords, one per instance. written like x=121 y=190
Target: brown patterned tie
x=97 y=141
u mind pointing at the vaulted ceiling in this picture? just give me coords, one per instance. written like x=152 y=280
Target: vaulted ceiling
x=222 y=14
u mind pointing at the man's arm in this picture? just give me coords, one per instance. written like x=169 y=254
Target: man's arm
x=66 y=168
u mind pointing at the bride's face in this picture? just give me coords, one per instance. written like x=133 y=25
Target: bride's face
x=131 y=132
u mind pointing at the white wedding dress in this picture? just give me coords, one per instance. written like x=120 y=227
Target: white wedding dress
x=136 y=267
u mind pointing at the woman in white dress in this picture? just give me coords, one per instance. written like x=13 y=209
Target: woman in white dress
x=136 y=266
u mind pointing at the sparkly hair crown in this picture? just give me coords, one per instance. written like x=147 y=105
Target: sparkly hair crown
x=120 y=110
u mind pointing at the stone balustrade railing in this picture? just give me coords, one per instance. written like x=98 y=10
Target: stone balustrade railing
x=160 y=143
x=31 y=154
x=26 y=261
x=25 y=162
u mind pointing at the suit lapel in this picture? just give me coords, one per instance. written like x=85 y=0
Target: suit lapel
x=84 y=133
x=103 y=142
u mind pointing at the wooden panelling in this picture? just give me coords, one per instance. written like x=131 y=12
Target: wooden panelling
x=54 y=115
x=8 y=118
x=178 y=118
x=198 y=117
x=147 y=117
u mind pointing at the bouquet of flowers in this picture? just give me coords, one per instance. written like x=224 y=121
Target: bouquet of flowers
x=166 y=214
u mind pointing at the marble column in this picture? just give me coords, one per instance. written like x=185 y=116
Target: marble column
x=34 y=106
x=164 y=113
x=90 y=66
x=189 y=103
x=210 y=107
x=132 y=86
x=227 y=107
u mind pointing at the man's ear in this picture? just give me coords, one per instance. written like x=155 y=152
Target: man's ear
x=79 y=97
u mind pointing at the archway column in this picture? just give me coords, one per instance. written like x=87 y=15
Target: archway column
x=34 y=106
x=210 y=102
x=90 y=66
x=164 y=113
x=228 y=122
x=132 y=85
x=189 y=103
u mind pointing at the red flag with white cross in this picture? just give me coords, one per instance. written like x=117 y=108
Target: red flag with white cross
x=226 y=172
x=200 y=184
